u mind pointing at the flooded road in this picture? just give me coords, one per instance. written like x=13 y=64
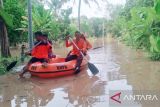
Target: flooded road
x=121 y=68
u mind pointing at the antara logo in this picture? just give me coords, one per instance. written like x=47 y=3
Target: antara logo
x=116 y=97
x=129 y=97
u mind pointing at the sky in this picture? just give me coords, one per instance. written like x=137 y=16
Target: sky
x=93 y=10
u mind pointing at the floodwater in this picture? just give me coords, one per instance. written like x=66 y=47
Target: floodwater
x=121 y=68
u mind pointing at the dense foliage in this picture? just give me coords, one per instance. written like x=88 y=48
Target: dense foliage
x=4 y=62
x=54 y=20
x=16 y=10
x=138 y=24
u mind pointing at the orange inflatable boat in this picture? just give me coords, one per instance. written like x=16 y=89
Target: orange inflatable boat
x=57 y=67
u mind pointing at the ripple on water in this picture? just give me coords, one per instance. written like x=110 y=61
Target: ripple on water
x=120 y=69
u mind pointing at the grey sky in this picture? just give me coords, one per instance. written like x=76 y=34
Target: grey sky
x=92 y=10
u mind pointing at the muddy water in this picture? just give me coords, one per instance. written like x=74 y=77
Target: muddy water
x=121 y=68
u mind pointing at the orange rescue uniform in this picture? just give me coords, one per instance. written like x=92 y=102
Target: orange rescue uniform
x=89 y=46
x=41 y=51
x=81 y=45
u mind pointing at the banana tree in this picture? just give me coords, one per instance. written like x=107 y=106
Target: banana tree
x=5 y=19
x=42 y=20
x=55 y=5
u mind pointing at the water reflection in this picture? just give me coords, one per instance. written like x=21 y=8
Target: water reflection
x=71 y=91
x=120 y=69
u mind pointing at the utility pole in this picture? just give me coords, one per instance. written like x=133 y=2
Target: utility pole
x=30 y=34
x=103 y=33
x=79 y=15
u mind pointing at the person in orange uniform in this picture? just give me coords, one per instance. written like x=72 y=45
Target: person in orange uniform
x=39 y=53
x=50 y=53
x=75 y=53
x=89 y=46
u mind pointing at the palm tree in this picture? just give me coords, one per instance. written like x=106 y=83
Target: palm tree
x=5 y=19
x=79 y=10
x=55 y=5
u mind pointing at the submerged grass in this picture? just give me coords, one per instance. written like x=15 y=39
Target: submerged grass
x=4 y=62
x=155 y=56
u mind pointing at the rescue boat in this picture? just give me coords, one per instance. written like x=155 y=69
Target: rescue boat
x=57 y=67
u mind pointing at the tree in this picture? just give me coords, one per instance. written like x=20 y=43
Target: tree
x=64 y=20
x=55 y=5
x=42 y=21
x=137 y=23
x=86 y=25
x=79 y=10
x=96 y=24
x=4 y=20
x=16 y=10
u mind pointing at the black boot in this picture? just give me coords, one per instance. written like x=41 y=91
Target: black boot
x=77 y=70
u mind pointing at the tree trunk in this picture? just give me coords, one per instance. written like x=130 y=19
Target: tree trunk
x=5 y=52
x=1 y=4
x=79 y=16
x=30 y=35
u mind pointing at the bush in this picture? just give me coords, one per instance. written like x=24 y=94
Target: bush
x=4 y=62
x=155 y=56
